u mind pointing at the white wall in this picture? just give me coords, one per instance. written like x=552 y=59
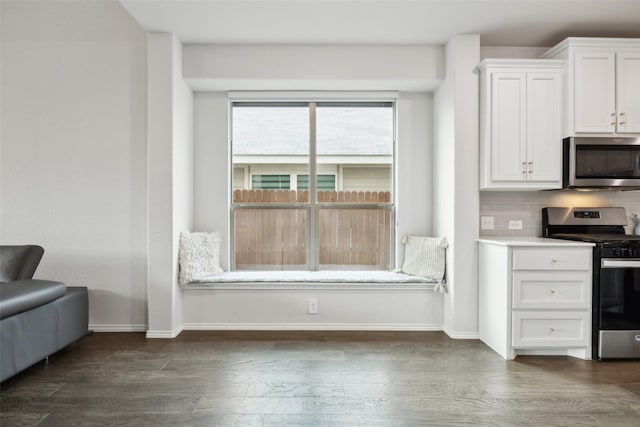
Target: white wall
x=73 y=149
x=170 y=129
x=512 y=52
x=456 y=182
x=414 y=176
x=345 y=309
x=211 y=167
x=313 y=67
x=183 y=173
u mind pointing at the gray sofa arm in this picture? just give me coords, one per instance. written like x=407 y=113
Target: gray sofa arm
x=22 y=295
x=19 y=262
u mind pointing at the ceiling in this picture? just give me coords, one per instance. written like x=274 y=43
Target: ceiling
x=535 y=23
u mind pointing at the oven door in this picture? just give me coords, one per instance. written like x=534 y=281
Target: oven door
x=619 y=308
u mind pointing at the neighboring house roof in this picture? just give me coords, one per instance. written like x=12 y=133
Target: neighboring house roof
x=285 y=131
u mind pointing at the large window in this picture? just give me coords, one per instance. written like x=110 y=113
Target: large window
x=312 y=185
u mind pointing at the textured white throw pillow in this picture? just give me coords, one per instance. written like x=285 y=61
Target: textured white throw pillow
x=425 y=256
x=199 y=256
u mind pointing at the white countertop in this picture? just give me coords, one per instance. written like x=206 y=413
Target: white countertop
x=530 y=241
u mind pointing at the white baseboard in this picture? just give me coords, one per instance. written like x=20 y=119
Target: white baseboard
x=118 y=328
x=308 y=327
x=165 y=334
x=463 y=335
x=265 y=327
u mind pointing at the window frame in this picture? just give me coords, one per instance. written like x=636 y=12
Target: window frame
x=312 y=206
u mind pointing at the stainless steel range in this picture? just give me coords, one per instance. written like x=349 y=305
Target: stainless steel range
x=616 y=274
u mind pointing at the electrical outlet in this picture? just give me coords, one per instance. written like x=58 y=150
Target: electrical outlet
x=486 y=223
x=515 y=224
x=313 y=306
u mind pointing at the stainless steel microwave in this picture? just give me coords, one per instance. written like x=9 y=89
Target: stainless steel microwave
x=601 y=162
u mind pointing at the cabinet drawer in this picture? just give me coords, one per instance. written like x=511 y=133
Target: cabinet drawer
x=552 y=259
x=549 y=329
x=551 y=290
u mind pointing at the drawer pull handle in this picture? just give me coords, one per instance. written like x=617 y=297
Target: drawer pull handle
x=552 y=292
x=552 y=329
x=553 y=261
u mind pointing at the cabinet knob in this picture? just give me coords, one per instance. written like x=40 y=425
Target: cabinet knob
x=614 y=114
x=613 y=123
x=553 y=261
x=552 y=292
x=552 y=330
x=623 y=114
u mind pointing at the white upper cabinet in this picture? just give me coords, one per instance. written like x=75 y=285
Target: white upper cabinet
x=521 y=119
x=595 y=92
x=628 y=92
x=602 y=94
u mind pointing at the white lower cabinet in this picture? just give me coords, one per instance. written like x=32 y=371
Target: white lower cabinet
x=550 y=329
x=535 y=300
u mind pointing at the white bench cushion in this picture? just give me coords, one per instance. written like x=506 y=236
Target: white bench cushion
x=312 y=277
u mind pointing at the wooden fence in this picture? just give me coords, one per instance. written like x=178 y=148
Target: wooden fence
x=293 y=196
x=268 y=238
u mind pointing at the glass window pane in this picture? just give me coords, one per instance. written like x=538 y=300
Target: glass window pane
x=271 y=182
x=270 y=145
x=270 y=239
x=355 y=238
x=324 y=182
x=355 y=140
x=353 y=166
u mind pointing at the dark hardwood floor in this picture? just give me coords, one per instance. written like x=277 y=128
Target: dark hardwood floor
x=314 y=379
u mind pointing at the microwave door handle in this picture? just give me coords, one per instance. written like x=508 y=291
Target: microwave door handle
x=620 y=263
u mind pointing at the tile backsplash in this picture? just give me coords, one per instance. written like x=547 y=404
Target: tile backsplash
x=527 y=207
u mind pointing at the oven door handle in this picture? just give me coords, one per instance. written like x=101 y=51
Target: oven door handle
x=620 y=263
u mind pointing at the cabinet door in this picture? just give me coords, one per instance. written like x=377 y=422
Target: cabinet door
x=594 y=92
x=552 y=259
x=549 y=329
x=628 y=92
x=544 y=127
x=552 y=290
x=508 y=144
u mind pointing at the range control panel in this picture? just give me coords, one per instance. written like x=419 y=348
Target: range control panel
x=586 y=214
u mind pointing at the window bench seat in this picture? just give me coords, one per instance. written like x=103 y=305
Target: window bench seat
x=311 y=280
